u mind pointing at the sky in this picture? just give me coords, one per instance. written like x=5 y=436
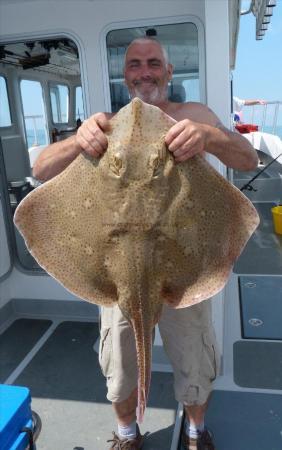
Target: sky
x=258 y=70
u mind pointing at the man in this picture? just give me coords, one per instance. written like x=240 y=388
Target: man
x=187 y=334
x=238 y=105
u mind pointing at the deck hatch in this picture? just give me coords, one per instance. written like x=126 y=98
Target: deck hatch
x=245 y=421
x=258 y=365
x=261 y=307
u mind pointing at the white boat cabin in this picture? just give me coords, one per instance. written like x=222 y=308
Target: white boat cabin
x=60 y=62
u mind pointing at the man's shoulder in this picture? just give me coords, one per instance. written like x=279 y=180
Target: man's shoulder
x=195 y=111
x=192 y=106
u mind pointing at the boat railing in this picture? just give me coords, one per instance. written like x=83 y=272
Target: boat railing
x=266 y=114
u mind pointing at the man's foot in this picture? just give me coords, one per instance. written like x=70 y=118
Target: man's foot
x=202 y=442
x=127 y=444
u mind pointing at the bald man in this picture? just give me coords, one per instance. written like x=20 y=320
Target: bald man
x=187 y=334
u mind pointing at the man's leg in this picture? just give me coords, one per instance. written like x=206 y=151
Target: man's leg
x=126 y=410
x=196 y=414
x=189 y=341
x=117 y=357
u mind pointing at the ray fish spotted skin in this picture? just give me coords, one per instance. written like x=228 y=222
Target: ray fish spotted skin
x=135 y=229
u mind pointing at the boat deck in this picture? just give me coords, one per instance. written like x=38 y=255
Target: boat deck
x=56 y=360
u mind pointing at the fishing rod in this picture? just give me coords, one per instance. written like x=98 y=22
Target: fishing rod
x=248 y=186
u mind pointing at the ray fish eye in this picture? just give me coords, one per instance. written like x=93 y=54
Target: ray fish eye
x=116 y=164
x=155 y=165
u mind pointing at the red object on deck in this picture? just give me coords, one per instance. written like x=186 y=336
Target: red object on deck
x=246 y=127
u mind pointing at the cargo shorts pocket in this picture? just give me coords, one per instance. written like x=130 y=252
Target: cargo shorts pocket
x=106 y=352
x=209 y=363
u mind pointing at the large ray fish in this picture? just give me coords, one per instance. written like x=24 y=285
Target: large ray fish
x=135 y=229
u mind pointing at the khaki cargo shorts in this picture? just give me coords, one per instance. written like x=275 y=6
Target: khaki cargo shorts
x=189 y=341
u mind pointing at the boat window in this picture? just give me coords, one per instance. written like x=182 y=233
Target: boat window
x=5 y=114
x=79 y=107
x=59 y=95
x=181 y=43
x=34 y=113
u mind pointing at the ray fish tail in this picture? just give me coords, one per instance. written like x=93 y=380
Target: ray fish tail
x=143 y=340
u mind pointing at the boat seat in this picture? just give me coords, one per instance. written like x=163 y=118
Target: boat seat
x=178 y=93
x=59 y=135
x=16 y=158
x=18 y=170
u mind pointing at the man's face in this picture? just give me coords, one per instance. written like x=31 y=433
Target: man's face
x=146 y=72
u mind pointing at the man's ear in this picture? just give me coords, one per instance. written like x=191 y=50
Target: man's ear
x=170 y=71
x=124 y=80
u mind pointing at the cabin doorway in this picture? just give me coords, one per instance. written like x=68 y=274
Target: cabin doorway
x=41 y=101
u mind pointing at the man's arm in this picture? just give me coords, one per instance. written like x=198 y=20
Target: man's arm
x=255 y=102
x=90 y=138
x=203 y=131
x=55 y=158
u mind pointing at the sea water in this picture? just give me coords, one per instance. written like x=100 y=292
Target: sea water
x=268 y=129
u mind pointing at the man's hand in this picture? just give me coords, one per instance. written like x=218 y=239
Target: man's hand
x=91 y=135
x=186 y=138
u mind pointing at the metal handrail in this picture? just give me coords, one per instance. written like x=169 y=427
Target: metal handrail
x=34 y=125
x=265 y=114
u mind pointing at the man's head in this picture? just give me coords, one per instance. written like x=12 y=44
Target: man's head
x=147 y=70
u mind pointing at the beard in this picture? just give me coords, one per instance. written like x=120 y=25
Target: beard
x=154 y=95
